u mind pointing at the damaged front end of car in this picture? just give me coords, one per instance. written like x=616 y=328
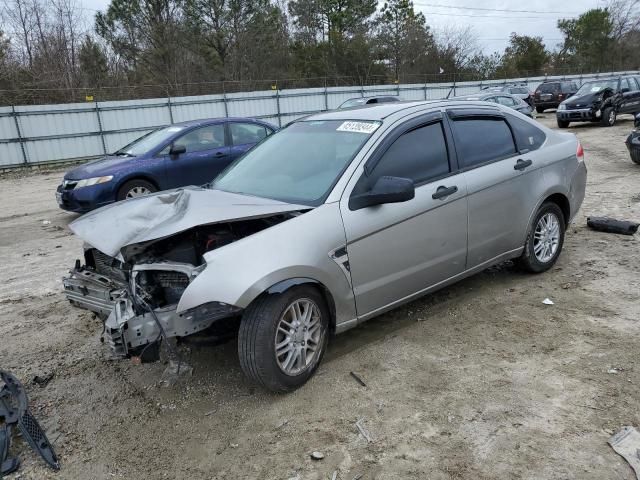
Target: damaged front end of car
x=136 y=292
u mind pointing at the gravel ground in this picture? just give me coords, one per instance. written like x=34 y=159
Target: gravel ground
x=478 y=381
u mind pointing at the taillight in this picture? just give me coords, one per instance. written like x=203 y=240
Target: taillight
x=580 y=153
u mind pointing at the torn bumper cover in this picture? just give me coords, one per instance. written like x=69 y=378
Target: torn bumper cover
x=125 y=302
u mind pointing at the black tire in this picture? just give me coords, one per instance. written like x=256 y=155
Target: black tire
x=539 y=109
x=257 y=338
x=608 y=117
x=563 y=123
x=528 y=260
x=635 y=155
x=130 y=185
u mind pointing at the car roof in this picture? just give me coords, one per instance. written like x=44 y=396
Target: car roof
x=381 y=111
x=210 y=121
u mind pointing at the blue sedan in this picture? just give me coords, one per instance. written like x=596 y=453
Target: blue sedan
x=189 y=153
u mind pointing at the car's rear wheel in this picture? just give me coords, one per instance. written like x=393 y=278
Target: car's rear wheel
x=544 y=240
x=539 y=109
x=608 y=117
x=136 y=188
x=283 y=337
x=635 y=155
x=563 y=123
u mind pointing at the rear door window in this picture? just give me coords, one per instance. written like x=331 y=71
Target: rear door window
x=506 y=101
x=482 y=140
x=244 y=133
x=204 y=138
x=624 y=83
x=420 y=154
x=528 y=136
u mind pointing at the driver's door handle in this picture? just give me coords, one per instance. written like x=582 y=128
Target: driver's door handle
x=220 y=154
x=443 y=192
x=522 y=164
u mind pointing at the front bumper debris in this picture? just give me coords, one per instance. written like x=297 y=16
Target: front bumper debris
x=578 y=115
x=92 y=291
x=129 y=325
x=126 y=331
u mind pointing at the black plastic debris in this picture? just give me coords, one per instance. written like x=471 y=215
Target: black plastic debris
x=14 y=412
x=611 y=225
x=43 y=380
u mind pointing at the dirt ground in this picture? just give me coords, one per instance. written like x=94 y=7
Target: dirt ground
x=478 y=381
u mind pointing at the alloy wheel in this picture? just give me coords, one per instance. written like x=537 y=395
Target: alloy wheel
x=138 y=191
x=546 y=237
x=298 y=336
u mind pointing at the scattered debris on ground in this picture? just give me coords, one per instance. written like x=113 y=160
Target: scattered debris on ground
x=611 y=225
x=626 y=443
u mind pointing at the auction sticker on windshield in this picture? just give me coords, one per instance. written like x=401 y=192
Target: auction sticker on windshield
x=358 y=127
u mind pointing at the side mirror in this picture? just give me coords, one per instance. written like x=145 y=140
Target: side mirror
x=177 y=149
x=385 y=190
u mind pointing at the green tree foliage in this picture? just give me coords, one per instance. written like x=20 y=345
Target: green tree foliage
x=524 y=55
x=93 y=63
x=404 y=38
x=588 y=40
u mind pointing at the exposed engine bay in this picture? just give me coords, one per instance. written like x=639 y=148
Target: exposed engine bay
x=137 y=296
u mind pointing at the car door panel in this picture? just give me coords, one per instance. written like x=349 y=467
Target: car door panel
x=500 y=178
x=207 y=155
x=396 y=250
x=500 y=199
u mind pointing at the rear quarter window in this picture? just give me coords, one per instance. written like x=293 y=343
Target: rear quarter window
x=482 y=140
x=528 y=137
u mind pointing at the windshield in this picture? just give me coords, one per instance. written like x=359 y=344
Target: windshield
x=595 y=87
x=149 y=141
x=300 y=163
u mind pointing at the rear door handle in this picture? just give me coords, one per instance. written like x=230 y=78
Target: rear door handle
x=522 y=164
x=443 y=192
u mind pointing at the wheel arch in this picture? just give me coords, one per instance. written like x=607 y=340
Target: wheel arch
x=563 y=202
x=284 y=285
x=137 y=176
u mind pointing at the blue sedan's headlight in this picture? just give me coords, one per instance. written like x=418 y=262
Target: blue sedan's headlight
x=87 y=182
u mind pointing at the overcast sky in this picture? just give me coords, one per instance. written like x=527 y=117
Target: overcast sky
x=491 y=25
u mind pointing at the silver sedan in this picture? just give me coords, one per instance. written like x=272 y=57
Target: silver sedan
x=331 y=221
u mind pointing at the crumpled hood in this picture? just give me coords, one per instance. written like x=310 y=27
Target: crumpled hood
x=98 y=167
x=584 y=101
x=163 y=214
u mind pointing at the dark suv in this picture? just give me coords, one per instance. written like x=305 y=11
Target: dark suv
x=551 y=94
x=601 y=101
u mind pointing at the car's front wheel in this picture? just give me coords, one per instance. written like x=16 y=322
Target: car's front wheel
x=544 y=240
x=608 y=117
x=539 y=109
x=283 y=337
x=563 y=123
x=135 y=188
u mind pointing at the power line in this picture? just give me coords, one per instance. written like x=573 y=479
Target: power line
x=546 y=19
x=495 y=9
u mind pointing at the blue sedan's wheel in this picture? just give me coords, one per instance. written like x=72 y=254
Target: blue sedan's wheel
x=136 y=188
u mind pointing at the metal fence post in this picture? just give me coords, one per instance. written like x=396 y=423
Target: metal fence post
x=425 y=91
x=170 y=111
x=326 y=96
x=20 y=139
x=278 y=106
x=104 y=145
x=224 y=100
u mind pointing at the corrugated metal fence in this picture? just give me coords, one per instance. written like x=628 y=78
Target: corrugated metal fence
x=49 y=133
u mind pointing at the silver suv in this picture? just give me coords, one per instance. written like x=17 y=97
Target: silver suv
x=335 y=219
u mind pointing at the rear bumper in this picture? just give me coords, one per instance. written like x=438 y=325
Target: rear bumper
x=581 y=115
x=577 y=190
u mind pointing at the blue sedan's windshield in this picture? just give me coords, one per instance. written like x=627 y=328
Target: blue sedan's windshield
x=149 y=141
x=299 y=164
